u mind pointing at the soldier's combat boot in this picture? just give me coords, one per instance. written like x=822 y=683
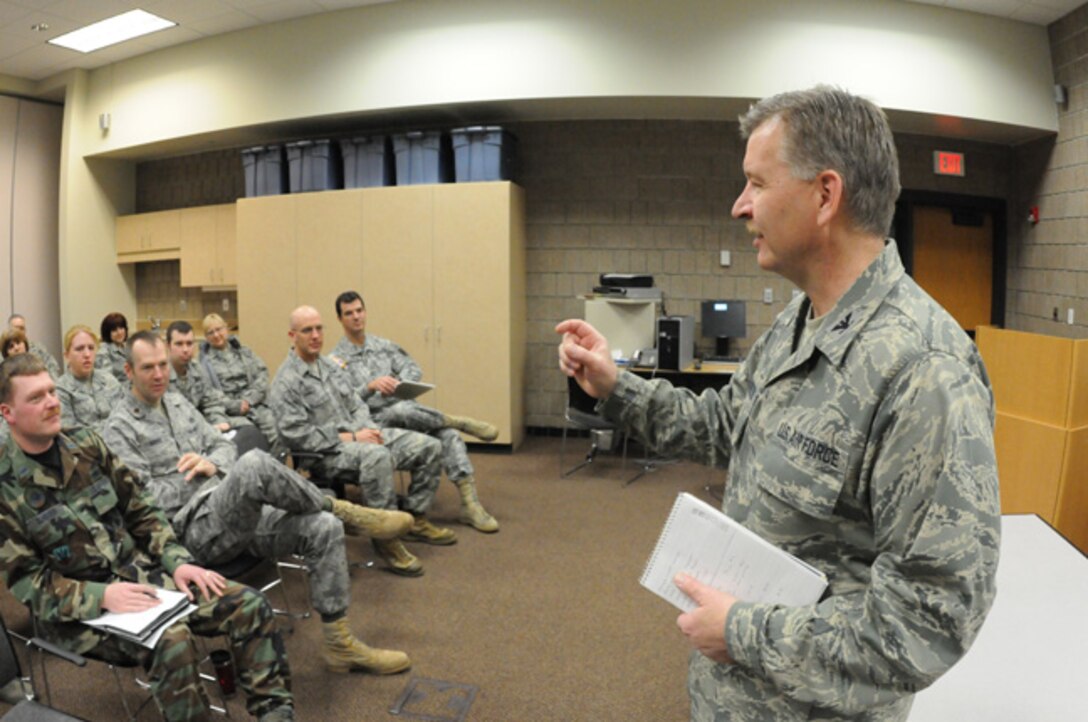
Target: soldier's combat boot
x=472 y=511
x=400 y=560
x=344 y=653
x=480 y=429
x=375 y=523
x=426 y=532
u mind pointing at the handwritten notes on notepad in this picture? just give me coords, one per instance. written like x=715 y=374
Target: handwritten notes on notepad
x=706 y=544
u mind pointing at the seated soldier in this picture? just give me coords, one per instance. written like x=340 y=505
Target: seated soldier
x=111 y=354
x=239 y=373
x=376 y=366
x=188 y=379
x=17 y=322
x=318 y=411
x=86 y=397
x=221 y=509
x=86 y=541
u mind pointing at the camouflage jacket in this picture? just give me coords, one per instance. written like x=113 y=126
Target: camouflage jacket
x=111 y=359
x=89 y=402
x=66 y=539
x=150 y=443
x=866 y=449
x=46 y=358
x=237 y=372
x=375 y=358
x=314 y=402
x=207 y=399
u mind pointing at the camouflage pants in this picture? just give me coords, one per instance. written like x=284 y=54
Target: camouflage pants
x=260 y=659
x=372 y=466
x=410 y=415
x=269 y=511
x=265 y=420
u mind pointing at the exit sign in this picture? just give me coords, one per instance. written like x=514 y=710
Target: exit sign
x=947 y=163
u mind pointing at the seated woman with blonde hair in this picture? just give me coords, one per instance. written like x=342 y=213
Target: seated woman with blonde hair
x=86 y=397
x=240 y=374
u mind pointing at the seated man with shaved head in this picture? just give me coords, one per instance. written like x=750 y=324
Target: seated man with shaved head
x=318 y=410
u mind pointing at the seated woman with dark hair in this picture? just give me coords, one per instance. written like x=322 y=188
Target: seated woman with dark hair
x=12 y=342
x=111 y=356
x=86 y=397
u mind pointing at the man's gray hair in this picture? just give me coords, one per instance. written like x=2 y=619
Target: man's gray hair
x=827 y=128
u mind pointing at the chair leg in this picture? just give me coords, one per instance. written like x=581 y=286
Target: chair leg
x=590 y=455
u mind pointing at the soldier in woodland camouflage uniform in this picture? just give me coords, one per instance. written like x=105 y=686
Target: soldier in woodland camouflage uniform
x=86 y=397
x=81 y=537
x=318 y=410
x=188 y=379
x=858 y=435
x=376 y=366
x=221 y=509
x=240 y=374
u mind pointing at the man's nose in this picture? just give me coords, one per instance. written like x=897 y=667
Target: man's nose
x=742 y=206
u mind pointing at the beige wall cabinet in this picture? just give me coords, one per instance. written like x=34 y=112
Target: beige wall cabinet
x=208 y=246
x=149 y=237
x=1041 y=436
x=441 y=267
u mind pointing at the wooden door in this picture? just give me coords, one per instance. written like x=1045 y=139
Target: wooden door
x=198 y=231
x=267 y=275
x=226 y=245
x=329 y=252
x=398 y=271
x=953 y=262
x=472 y=301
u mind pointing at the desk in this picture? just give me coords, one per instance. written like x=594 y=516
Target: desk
x=1026 y=662
x=712 y=375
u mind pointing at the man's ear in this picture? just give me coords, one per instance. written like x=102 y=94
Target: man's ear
x=830 y=187
x=6 y=412
x=128 y=370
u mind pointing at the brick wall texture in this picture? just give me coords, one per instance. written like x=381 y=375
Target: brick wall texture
x=633 y=196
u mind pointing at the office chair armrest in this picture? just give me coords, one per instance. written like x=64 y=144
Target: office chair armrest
x=47 y=646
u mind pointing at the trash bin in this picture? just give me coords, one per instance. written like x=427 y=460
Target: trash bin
x=265 y=171
x=422 y=157
x=314 y=165
x=482 y=153
x=368 y=161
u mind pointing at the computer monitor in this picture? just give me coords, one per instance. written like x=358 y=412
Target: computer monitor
x=722 y=320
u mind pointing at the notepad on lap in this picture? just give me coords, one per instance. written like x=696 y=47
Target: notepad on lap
x=411 y=389
x=706 y=544
x=146 y=627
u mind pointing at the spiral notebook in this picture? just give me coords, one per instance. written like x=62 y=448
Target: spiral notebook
x=706 y=544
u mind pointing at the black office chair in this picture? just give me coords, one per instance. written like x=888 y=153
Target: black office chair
x=581 y=414
x=30 y=710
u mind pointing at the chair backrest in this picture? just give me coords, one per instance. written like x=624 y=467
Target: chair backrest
x=578 y=399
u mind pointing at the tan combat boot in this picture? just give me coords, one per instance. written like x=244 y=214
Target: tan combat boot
x=480 y=429
x=400 y=560
x=426 y=532
x=344 y=653
x=375 y=523
x=472 y=511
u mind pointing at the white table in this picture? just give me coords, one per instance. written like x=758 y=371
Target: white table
x=1029 y=661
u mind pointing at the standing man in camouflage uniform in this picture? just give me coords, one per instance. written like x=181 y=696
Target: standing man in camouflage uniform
x=188 y=379
x=240 y=374
x=377 y=366
x=18 y=322
x=318 y=410
x=82 y=538
x=858 y=436
x=222 y=509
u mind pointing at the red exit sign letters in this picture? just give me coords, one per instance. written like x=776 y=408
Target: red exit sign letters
x=948 y=163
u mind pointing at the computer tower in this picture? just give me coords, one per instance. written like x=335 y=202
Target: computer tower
x=675 y=341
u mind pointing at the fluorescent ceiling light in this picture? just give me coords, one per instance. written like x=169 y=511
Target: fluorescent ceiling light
x=113 y=30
